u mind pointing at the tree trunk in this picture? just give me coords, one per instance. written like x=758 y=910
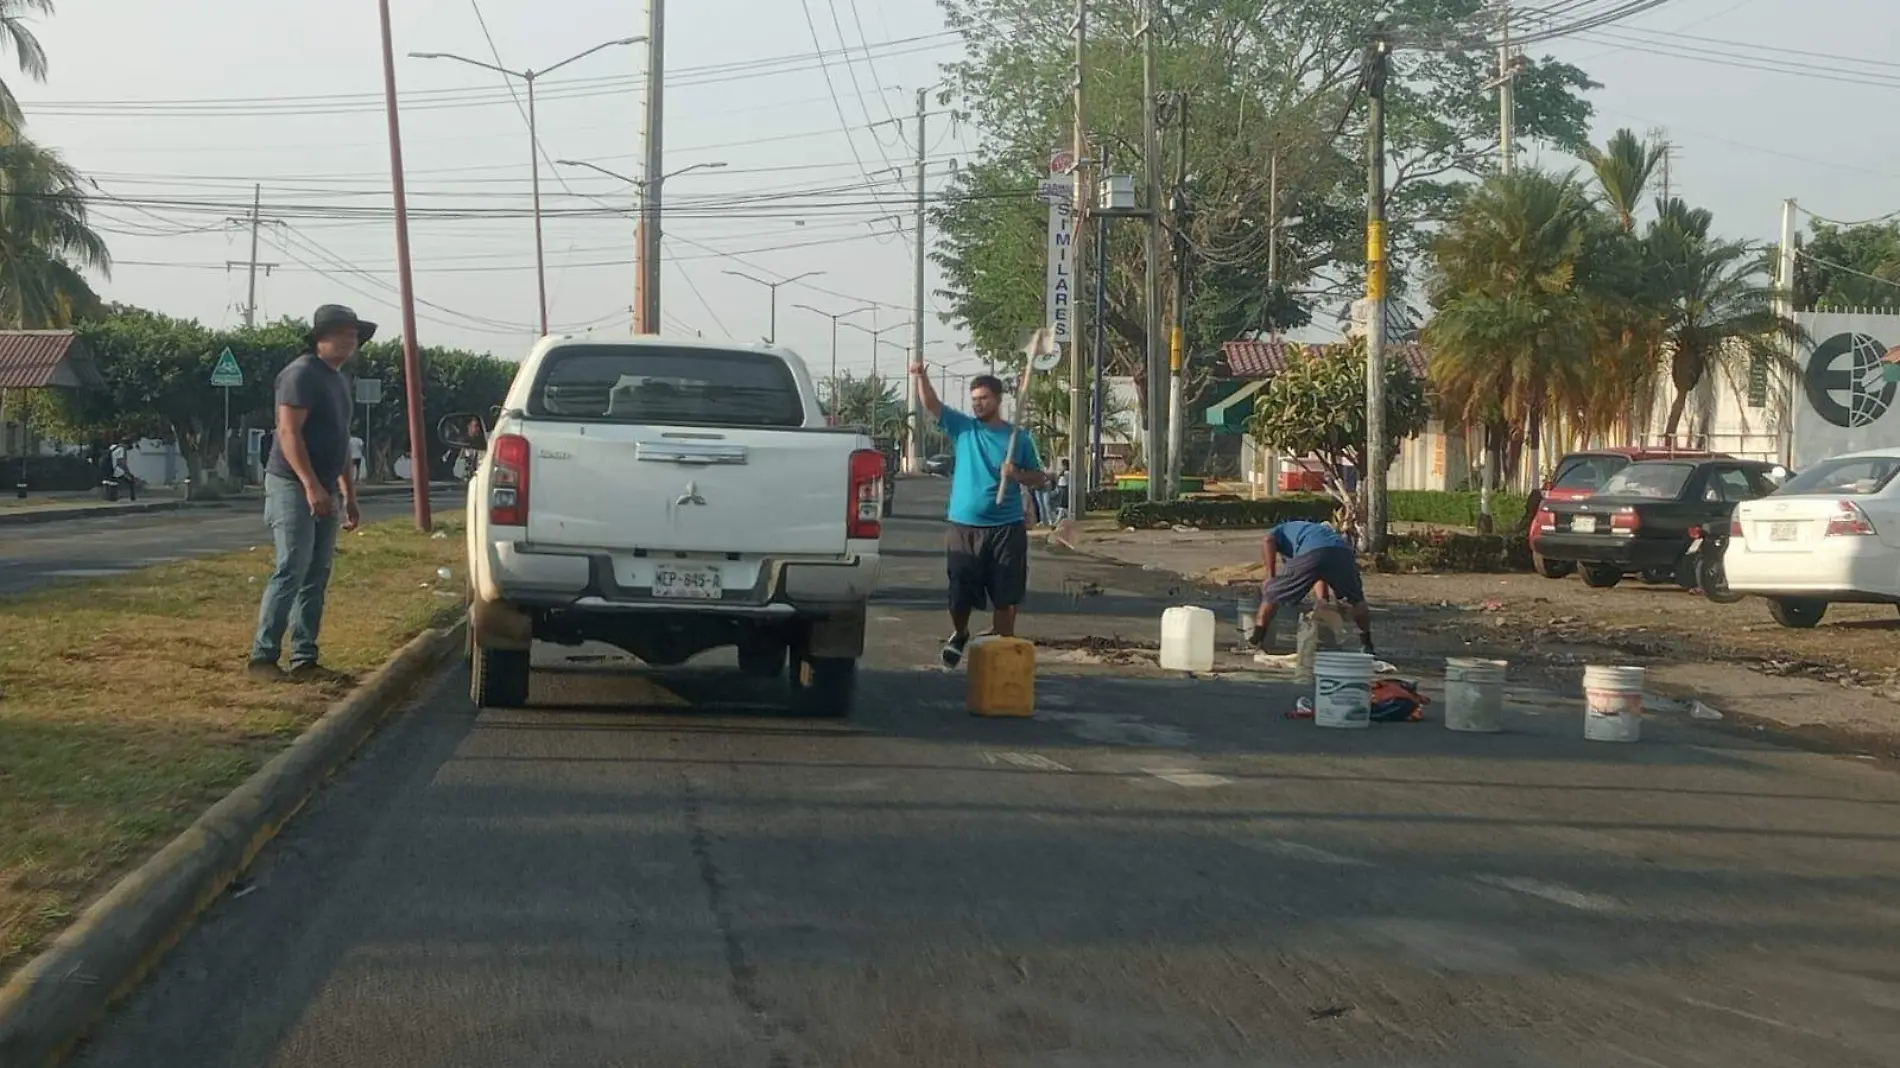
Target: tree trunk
x=1487 y=482
x=1675 y=414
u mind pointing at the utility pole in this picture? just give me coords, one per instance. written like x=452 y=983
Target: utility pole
x=1154 y=443
x=1101 y=316
x=1784 y=282
x=1507 y=97
x=1079 y=204
x=1372 y=479
x=1179 y=212
x=256 y=221
x=649 y=226
x=405 y=282
x=912 y=424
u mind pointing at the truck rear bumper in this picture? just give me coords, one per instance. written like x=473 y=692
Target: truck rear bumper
x=585 y=580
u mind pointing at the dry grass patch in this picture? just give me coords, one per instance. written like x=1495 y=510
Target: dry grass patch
x=125 y=710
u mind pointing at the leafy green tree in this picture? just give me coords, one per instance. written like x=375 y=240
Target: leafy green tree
x=1316 y=407
x=874 y=403
x=1850 y=266
x=1263 y=82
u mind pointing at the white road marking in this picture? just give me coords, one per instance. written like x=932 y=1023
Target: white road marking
x=1030 y=761
x=1561 y=895
x=1193 y=780
x=1296 y=851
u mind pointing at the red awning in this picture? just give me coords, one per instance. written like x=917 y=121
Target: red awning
x=42 y=359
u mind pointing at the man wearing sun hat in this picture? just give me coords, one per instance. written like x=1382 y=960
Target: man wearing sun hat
x=309 y=491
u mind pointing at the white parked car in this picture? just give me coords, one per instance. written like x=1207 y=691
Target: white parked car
x=1830 y=535
x=670 y=497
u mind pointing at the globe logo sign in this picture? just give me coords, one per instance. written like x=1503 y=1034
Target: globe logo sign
x=1847 y=380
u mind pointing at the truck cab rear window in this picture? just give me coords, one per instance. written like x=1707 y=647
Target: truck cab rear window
x=656 y=384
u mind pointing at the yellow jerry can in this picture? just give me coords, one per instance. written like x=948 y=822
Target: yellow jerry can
x=1002 y=677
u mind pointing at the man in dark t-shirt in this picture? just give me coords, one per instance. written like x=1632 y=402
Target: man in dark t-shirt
x=309 y=491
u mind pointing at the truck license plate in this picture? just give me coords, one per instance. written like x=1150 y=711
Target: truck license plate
x=1584 y=524
x=686 y=583
x=1784 y=531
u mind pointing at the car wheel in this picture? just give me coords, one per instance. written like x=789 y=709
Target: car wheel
x=498 y=678
x=1554 y=569
x=824 y=686
x=763 y=660
x=1797 y=613
x=1598 y=577
x=1711 y=577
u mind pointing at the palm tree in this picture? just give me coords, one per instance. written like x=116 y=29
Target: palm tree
x=1623 y=168
x=1511 y=338
x=46 y=239
x=1718 y=304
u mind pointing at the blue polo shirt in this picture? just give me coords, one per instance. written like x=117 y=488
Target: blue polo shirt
x=980 y=449
x=1300 y=536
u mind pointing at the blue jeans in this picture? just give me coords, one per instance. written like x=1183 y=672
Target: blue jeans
x=294 y=597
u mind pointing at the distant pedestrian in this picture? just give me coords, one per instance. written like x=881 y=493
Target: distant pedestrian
x=1316 y=555
x=309 y=490
x=356 y=459
x=987 y=547
x=1061 y=492
x=121 y=461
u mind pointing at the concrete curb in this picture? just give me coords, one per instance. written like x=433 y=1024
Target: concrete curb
x=56 y=997
x=55 y=514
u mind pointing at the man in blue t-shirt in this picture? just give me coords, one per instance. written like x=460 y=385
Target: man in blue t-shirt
x=1316 y=555
x=987 y=547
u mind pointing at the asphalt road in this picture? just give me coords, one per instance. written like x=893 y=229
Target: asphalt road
x=38 y=554
x=663 y=870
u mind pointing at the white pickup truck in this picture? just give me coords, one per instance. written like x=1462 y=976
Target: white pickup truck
x=670 y=497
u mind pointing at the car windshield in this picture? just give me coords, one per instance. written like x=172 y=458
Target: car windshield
x=1587 y=473
x=1848 y=476
x=673 y=386
x=1659 y=481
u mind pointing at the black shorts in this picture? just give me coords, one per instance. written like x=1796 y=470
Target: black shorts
x=988 y=566
x=1335 y=565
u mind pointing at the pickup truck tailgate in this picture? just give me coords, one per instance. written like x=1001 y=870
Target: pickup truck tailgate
x=689 y=489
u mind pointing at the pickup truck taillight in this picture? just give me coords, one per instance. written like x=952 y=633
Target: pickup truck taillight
x=1850 y=522
x=508 y=482
x=1625 y=521
x=867 y=495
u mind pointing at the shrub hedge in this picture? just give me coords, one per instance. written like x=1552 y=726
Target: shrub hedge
x=1112 y=500
x=49 y=473
x=1452 y=509
x=1450 y=551
x=1227 y=513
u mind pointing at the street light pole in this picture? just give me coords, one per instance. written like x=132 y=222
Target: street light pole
x=534 y=163
x=534 y=144
x=834 y=339
x=772 y=335
x=642 y=322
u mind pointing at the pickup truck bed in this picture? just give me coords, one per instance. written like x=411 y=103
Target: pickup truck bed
x=669 y=498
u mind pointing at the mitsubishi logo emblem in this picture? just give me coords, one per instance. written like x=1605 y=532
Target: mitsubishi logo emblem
x=691 y=496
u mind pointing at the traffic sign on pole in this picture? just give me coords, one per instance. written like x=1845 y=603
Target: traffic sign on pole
x=227 y=374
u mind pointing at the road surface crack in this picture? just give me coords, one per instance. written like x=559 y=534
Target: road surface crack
x=742 y=975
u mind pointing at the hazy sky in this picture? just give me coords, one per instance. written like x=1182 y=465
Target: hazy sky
x=192 y=106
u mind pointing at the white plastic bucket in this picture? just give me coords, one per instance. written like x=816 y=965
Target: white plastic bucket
x=1342 y=690
x=1246 y=606
x=1613 y=704
x=1474 y=694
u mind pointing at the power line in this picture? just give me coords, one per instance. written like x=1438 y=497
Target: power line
x=1696 y=54
x=1817 y=261
x=693 y=287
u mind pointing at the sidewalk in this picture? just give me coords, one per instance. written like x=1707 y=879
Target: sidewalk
x=61 y=505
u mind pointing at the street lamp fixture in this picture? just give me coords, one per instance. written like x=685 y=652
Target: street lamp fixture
x=636 y=182
x=772 y=335
x=534 y=143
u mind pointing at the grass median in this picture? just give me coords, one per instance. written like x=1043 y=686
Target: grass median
x=125 y=710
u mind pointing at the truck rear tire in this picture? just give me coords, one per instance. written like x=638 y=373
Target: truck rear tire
x=498 y=678
x=1554 y=569
x=824 y=686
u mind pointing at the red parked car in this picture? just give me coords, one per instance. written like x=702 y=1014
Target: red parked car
x=1582 y=474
